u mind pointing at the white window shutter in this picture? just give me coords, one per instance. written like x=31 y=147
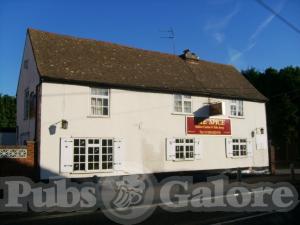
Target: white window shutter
x=119 y=153
x=249 y=148
x=66 y=155
x=223 y=108
x=265 y=141
x=261 y=142
x=229 y=151
x=170 y=147
x=198 y=149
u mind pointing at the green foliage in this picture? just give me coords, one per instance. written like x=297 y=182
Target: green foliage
x=282 y=88
x=7 y=111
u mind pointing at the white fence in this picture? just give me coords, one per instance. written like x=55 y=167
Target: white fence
x=13 y=153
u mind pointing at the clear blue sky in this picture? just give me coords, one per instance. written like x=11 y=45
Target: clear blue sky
x=241 y=33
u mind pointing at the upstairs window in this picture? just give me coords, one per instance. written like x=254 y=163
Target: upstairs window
x=32 y=105
x=236 y=108
x=25 y=64
x=182 y=104
x=99 y=101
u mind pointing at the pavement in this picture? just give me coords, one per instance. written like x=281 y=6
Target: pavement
x=286 y=171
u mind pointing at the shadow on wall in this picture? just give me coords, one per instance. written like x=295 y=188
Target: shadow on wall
x=52 y=129
x=8 y=136
x=13 y=167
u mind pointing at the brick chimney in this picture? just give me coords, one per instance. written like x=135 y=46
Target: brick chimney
x=188 y=55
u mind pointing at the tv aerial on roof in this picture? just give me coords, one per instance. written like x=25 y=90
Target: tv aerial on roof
x=169 y=34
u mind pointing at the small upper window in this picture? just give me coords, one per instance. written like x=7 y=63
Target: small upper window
x=182 y=104
x=32 y=105
x=236 y=108
x=26 y=104
x=25 y=64
x=99 y=101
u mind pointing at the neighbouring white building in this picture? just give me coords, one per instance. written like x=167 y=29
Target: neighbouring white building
x=97 y=108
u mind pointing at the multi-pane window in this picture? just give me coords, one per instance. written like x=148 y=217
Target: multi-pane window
x=184 y=148
x=107 y=154
x=236 y=108
x=79 y=155
x=239 y=147
x=93 y=154
x=182 y=104
x=26 y=104
x=99 y=101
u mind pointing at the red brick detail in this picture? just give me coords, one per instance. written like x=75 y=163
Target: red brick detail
x=20 y=166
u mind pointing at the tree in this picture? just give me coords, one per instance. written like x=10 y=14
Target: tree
x=282 y=88
x=7 y=111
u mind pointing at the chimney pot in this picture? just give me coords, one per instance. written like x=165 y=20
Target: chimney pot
x=188 y=55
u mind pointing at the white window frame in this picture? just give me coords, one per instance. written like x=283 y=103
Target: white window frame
x=102 y=97
x=186 y=144
x=184 y=98
x=86 y=155
x=239 y=108
x=237 y=143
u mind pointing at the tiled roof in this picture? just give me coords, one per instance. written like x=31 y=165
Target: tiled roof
x=62 y=58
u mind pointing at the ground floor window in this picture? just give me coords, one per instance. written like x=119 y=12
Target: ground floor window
x=93 y=154
x=184 y=148
x=79 y=154
x=239 y=147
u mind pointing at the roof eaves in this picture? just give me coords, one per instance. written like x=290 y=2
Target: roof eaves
x=150 y=89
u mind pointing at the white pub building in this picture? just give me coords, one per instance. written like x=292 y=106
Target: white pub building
x=97 y=108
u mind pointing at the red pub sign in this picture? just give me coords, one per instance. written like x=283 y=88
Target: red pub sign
x=200 y=125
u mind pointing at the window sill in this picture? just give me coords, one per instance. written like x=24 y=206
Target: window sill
x=96 y=116
x=237 y=117
x=183 y=160
x=182 y=114
x=240 y=157
x=91 y=172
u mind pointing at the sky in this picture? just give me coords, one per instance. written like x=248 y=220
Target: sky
x=238 y=32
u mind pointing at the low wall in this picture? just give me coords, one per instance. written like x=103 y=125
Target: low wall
x=18 y=160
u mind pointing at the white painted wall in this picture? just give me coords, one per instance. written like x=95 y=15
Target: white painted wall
x=144 y=120
x=28 y=78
